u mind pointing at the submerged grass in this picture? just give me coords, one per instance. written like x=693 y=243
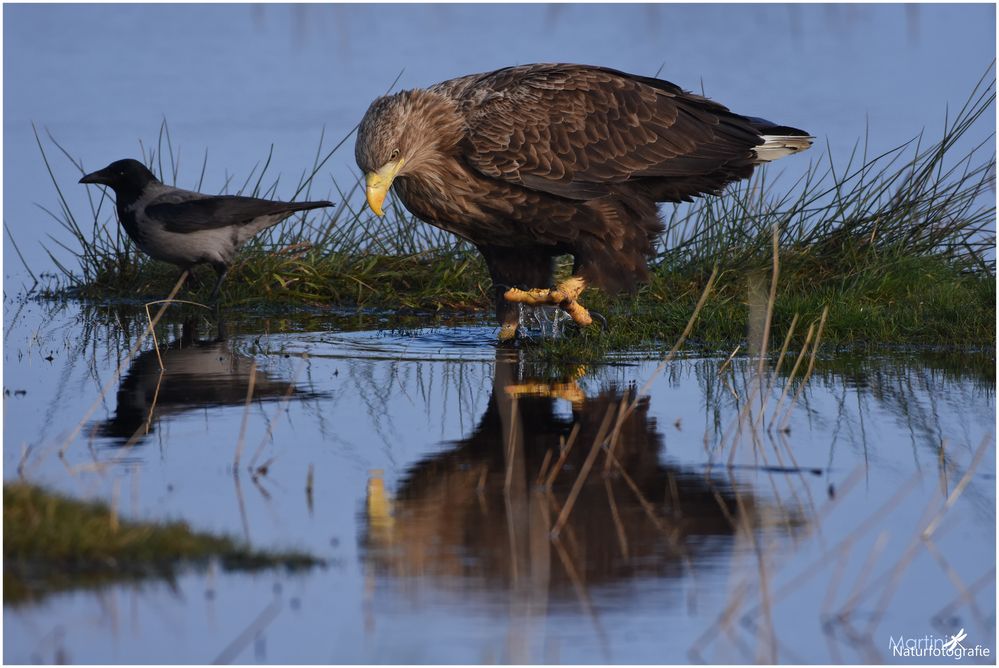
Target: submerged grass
x=899 y=246
x=51 y=543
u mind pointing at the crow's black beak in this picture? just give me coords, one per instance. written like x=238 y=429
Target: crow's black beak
x=95 y=177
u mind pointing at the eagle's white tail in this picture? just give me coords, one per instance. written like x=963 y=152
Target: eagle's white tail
x=777 y=146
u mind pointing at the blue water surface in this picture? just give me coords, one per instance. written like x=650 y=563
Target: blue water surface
x=409 y=459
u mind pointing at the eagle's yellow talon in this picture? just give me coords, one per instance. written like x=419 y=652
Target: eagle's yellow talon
x=531 y=297
x=564 y=296
x=570 y=391
x=571 y=288
x=578 y=312
x=507 y=332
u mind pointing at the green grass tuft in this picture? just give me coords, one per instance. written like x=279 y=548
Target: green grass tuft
x=51 y=542
x=917 y=301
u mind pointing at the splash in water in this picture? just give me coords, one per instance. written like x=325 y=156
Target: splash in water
x=547 y=321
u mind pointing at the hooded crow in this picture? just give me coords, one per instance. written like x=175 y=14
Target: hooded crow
x=188 y=228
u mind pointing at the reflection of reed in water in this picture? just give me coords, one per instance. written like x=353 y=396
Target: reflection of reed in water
x=480 y=510
x=197 y=374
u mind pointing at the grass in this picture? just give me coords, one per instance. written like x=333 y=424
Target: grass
x=51 y=543
x=899 y=246
x=915 y=301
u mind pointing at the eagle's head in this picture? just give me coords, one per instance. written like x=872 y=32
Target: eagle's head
x=401 y=135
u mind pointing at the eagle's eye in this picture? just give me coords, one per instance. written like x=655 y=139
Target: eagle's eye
x=395 y=155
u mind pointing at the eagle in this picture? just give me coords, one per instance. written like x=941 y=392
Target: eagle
x=532 y=162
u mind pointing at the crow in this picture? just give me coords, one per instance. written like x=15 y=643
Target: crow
x=187 y=228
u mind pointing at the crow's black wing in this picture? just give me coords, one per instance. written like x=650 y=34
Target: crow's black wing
x=223 y=211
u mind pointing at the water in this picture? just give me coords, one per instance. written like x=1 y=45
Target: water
x=427 y=447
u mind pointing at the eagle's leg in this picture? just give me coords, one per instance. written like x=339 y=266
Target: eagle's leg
x=510 y=267
x=509 y=322
x=565 y=295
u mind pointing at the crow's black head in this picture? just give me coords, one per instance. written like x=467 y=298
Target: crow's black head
x=126 y=177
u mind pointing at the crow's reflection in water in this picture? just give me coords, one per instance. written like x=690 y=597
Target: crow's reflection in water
x=196 y=374
x=477 y=512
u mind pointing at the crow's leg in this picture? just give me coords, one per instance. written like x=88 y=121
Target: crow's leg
x=192 y=281
x=222 y=270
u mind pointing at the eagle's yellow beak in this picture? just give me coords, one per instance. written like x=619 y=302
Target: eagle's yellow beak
x=378 y=183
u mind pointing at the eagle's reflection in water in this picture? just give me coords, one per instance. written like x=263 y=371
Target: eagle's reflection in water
x=196 y=374
x=478 y=515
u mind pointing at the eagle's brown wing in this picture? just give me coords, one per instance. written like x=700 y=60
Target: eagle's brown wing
x=573 y=131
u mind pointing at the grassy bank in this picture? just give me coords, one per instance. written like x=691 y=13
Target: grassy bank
x=899 y=246
x=916 y=301
x=52 y=543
